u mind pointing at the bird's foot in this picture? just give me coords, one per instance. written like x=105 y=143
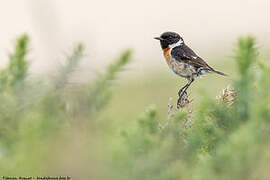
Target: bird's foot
x=182 y=99
x=182 y=91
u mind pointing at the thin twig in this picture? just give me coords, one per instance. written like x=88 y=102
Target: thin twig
x=170 y=114
x=170 y=108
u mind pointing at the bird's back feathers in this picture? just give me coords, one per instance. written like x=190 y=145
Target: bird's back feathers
x=184 y=54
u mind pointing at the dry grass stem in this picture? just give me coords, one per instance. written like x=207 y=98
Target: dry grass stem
x=170 y=108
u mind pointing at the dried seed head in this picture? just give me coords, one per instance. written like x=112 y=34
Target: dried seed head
x=227 y=96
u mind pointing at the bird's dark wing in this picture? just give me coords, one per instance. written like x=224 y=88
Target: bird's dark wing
x=184 y=53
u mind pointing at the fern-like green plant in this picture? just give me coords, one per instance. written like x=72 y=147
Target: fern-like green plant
x=246 y=56
x=71 y=63
x=41 y=132
x=16 y=70
x=218 y=139
x=97 y=94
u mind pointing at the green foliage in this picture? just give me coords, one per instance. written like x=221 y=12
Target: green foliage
x=34 y=114
x=66 y=70
x=222 y=143
x=58 y=129
x=100 y=91
x=245 y=55
x=18 y=66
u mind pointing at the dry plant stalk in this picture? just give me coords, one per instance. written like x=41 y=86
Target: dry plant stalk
x=185 y=103
x=170 y=114
x=170 y=108
x=188 y=121
x=227 y=96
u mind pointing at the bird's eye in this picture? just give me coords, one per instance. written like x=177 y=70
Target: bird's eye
x=165 y=37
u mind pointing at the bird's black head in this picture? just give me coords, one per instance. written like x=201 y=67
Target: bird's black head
x=169 y=38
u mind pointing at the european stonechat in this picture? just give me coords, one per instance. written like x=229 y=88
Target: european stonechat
x=182 y=60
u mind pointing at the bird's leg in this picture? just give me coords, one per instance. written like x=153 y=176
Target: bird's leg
x=188 y=84
x=183 y=91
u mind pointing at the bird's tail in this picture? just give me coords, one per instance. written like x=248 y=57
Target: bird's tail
x=221 y=73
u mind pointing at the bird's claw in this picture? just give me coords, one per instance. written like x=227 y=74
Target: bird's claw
x=181 y=94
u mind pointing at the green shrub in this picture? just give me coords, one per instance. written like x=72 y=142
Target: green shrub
x=59 y=128
x=223 y=142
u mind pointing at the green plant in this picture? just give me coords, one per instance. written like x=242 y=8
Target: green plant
x=223 y=141
x=61 y=128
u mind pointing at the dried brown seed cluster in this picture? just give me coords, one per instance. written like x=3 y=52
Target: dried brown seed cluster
x=227 y=96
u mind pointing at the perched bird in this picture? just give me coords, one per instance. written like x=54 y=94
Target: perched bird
x=182 y=60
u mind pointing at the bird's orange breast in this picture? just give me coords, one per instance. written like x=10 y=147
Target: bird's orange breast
x=167 y=55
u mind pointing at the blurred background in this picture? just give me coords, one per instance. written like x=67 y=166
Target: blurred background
x=209 y=27
x=107 y=28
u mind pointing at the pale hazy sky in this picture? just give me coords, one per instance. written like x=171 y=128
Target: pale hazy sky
x=107 y=27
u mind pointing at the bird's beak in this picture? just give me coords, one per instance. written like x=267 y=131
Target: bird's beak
x=158 y=38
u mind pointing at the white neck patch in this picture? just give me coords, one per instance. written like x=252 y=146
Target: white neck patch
x=179 y=43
